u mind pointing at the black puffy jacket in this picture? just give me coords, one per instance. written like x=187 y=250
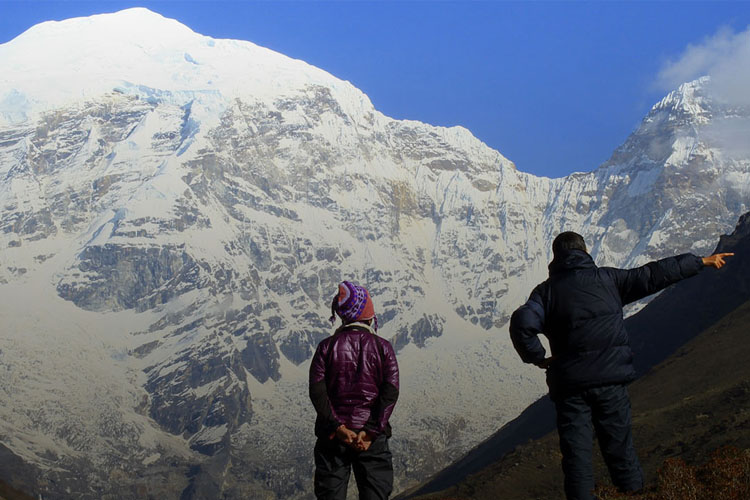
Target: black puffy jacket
x=579 y=309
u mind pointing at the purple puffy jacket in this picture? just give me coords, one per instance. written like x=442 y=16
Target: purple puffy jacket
x=354 y=381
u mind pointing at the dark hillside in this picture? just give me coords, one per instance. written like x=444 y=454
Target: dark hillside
x=666 y=323
x=18 y=476
x=7 y=492
x=690 y=307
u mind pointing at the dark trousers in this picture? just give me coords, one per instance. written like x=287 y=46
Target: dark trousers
x=373 y=470
x=608 y=408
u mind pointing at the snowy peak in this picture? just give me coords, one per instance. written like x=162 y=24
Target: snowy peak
x=135 y=50
x=669 y=134
x=691 y=102
x=148 y=28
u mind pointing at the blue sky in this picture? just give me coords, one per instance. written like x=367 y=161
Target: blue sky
x=553 y=86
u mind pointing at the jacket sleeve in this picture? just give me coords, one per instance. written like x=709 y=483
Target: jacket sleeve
x=319 y=392
x=388 y=394
x=526 y=323
x=635 y=284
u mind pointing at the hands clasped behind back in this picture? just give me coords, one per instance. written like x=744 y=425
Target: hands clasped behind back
x=357 y=441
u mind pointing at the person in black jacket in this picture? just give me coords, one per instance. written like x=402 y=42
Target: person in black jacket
x=579 y=309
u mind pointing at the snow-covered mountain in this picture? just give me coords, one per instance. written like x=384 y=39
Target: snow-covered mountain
x=175 y=213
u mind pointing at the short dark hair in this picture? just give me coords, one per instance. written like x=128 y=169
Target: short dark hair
x=568 y=241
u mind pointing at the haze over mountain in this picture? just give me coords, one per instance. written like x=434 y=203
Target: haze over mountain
x=176 y=212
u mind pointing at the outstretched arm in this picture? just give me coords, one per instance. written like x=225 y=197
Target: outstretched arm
x=526 y=323
x=635 y=284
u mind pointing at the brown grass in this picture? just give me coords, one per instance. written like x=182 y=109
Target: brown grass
x=725 y=476
x=7 y=492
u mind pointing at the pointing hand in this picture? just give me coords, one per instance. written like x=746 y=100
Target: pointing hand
x=716 y=260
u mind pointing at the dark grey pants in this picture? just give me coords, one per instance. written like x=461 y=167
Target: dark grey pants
x=608 y=408
x=373 y=470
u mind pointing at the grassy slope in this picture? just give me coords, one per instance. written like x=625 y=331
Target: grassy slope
x=689 y=405
x=7 y=492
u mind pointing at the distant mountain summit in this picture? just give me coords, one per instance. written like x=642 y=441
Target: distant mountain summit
x=173 y=229
x=138 y=51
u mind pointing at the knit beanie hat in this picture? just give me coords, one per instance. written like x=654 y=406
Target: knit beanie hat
x=353 y=303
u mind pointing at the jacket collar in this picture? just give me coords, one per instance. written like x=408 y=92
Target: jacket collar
x=570 y=259
x=355 y=326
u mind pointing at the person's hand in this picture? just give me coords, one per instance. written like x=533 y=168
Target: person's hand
x=345 y=435
x=544 y=364
x=716 y=260
x=364 y=440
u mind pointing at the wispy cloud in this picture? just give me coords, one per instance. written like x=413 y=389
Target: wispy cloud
x=725 y=57
x=730 y=135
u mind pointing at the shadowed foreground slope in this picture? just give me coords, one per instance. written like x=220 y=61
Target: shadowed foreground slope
x=7 y=492
x=701 y=304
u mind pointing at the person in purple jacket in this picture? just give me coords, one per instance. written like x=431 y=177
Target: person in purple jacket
x=354 y=388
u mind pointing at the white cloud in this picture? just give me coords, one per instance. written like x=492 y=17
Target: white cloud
x=725 y=57
x=731 y=135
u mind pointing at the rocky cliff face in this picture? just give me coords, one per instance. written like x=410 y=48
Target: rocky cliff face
x=181 y=222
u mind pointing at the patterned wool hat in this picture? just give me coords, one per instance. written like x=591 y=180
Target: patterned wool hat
x=353 y=303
